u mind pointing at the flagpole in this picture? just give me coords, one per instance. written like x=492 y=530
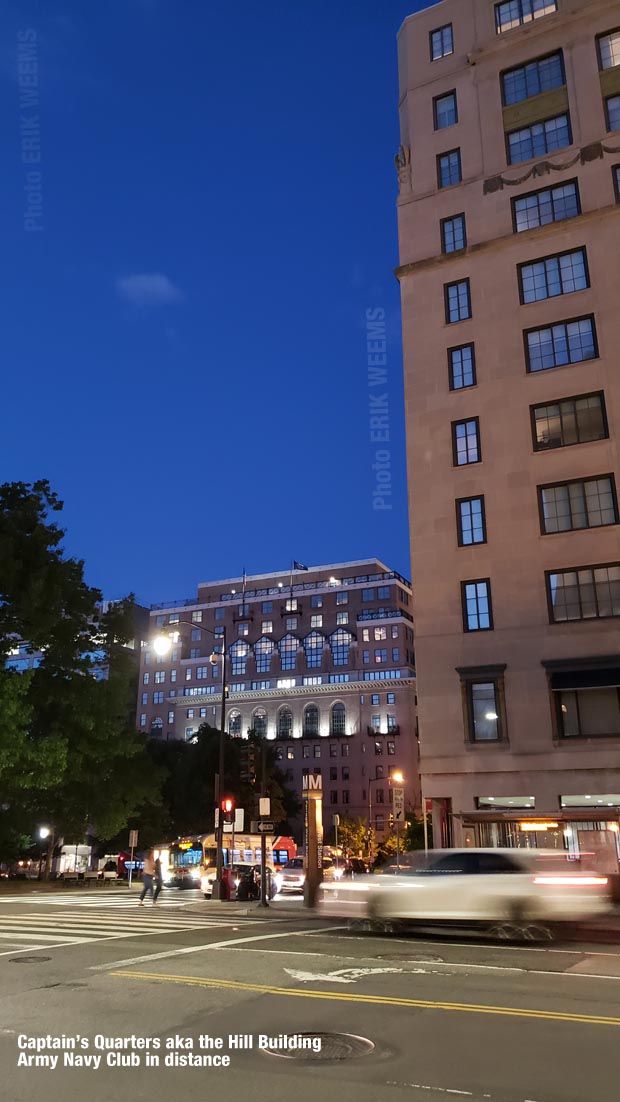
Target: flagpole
x=292 y=561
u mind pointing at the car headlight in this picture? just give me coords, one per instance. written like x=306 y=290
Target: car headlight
x=338 y=874
x=277 y=879
x=195 y=874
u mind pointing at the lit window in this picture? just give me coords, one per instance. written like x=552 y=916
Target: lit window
x=316 y=621
x=584 y=593
x=160 y=677
x=578 y=504
x=288 y=652
x=340 y=644
x=342 y=617
x=342 y=598
x=263 y=650
x=266 y=627
x=313 y=646
x=239 y=656
x=380 y=633
x=259 y=722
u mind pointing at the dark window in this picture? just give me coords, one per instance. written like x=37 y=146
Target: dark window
x=476 y=600
x=530 y=80
x=567 y=342
x=458 y=301
x=470 y=521
x=441 y=42
x=445 y=111
x=285 y=723
x=462 y=366
x=584 y=593
x=616 y=177
x=512 y=13
x=466 y=442
x=569 y=421
x=453 y=234
x=338 y=720
x=496 y=862
x=582 y=503
x=553 y=275
x=449 y=168
x=609 y=49
x=368 y=594
x=539 y=208
x=464 y=863
x=588 y=713
x=311 y=720
x=483 y=711
x=612 y=111
x=333 y=773
x=267 y=606
x=538 y=139
x=316 y=602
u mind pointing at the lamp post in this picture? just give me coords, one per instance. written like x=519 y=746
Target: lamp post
x=396 y=776
x=161 y=646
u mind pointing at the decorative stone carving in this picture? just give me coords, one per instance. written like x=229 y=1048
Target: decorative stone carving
x=402 y=160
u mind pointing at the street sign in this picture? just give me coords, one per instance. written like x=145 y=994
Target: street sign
x=398 y=804
x=336 y=820
x=264 y=806
x=133 y=839
x=230 y=828
x=265 y=828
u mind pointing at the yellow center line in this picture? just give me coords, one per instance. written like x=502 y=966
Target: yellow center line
x=377 y=1000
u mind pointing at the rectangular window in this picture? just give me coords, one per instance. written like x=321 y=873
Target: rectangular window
x=449 y=168
x=589 y=713
x=457 y=301
x=483 y=711
x=173 y=675
x=267 y=607
x=462 y=366
x=333 y=750
x=146 y=677
x=568 y=342
x=203 y=713
x=569 y=421
x=313 y=680
x=342 y=617
x=476 y=601
x=317 y=751
x=609 y=50
x=291 y=604
x=333 y=796
x=158 y=698
x=143 y=719
x=394 y=631
x=368 y=595
x=189 y=712
x=290 y=753
x=220 y=613
x=441 y=42
x=291 y=623
x=380 y=655
x=553 y=276
x=342 y=598
x=584 y=593
x=160 y=677
x=316 y=602
x=374 y=699
x=466 y=442
x=453 y=234
x=391 y=722
x=173 y=618
x=345 y=795
x=616 y=178
x=570 y=506
x=159 y=620
x=316 y=621
x=244 y=630
x=196 y=634
x=540 y=208
x=170 y=718
x=391 y=698
x=530 y=80
x=145 y=698
x=445 y=110
x=395 y=654
x=512 y=13
x=612 y=111
x=538 y=139
x=194 y=652
x=338 y=678
x=380 y=633
x=470 y=521
x=197 y=617
x=266 y=627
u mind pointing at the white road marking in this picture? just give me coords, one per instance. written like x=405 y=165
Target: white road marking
x=340 y=975
x=204 y=948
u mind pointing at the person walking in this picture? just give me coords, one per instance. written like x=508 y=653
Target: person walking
x=159 y=880
x=148 y=876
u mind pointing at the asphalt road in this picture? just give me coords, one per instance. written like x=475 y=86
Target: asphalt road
x=430 y=1018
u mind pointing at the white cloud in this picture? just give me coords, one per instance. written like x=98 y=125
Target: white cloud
x=148 y=289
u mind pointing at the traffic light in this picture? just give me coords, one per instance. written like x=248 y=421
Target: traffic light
x=391 y=820
x=248 y=763
x=228 y=810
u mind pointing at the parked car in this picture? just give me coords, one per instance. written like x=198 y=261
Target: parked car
x=239 y=871
x=294 y=873
x=489 y=886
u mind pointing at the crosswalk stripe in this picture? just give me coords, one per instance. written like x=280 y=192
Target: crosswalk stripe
x=49 y=937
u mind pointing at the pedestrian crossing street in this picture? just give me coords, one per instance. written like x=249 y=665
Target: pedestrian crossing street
x=78 y=921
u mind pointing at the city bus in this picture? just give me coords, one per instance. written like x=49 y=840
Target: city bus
x=187 y=860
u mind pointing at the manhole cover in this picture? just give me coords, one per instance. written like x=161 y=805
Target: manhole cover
x=320 y=1046
x=419 y=958
x=28 y=960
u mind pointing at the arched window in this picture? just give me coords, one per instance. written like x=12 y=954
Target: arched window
x=285 y=723
x=313 y=646
x=239 y=655
x=259 y=722
x=263 y=651
x=338 y=720
x=341 y=641
x=311 y=720
x=234 y=723
x=288 y=652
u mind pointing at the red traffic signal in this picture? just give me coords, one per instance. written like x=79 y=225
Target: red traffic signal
x=228 y=810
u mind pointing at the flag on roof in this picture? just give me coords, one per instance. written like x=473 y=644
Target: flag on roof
x=299 y=565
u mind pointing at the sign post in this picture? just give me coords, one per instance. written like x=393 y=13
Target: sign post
x=336 y=822
x=264 y=828
x=398 y=809
x=312 y=794
x=133 y=842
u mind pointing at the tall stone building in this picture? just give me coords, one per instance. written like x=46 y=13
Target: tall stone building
x=509 y=230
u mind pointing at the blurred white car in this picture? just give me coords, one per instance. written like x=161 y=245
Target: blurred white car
x=294 y=874
x=472 y=885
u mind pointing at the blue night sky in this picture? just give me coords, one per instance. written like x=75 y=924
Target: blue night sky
x=183 y=334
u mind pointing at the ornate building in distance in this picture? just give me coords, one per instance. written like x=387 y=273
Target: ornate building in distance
x=320 y=661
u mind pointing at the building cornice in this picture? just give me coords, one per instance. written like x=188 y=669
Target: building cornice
x=283 y=695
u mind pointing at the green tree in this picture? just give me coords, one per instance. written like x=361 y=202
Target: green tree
x=353 y=836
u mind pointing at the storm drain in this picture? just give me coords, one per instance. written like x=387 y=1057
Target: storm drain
x=28 y=960
x=320 y=1046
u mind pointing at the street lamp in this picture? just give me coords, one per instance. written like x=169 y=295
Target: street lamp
x=161 y=645
x=396 y=777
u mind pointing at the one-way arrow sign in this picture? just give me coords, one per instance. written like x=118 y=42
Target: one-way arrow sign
x=265 y=828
